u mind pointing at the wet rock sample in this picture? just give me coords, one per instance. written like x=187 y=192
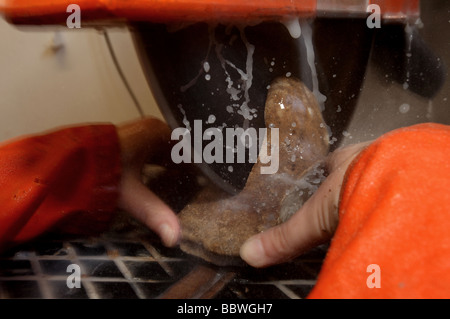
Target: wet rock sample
x=215 y=224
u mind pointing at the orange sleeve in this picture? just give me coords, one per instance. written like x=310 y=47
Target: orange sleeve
x=69 y=177
x=395 y=214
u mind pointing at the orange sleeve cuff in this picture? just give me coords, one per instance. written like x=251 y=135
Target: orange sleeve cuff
x=68 y=178
x=395 y=214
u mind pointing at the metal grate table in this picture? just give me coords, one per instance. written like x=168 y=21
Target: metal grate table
x=140 y=267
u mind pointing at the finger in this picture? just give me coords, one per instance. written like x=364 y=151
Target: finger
x=342 y=157
x=148 y=208
x=313 y=224
x=147 y=139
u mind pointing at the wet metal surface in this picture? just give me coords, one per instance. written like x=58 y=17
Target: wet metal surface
x=143 y=268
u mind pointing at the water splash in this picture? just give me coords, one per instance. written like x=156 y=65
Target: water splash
x=293 y=26
x=409 y=32
x=238 y=90
x=310 y=57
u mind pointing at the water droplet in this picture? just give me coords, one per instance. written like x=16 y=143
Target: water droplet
x=206 y=67
x=211 y=119
x=293 y=27
x=404 y=108
x=287 y=141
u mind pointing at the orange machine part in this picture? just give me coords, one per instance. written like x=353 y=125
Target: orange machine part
x=398 y=7
x=55 y=11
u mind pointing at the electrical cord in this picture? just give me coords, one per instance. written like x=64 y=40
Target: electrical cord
x=121 y=74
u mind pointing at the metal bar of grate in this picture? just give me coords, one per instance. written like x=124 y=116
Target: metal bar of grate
x=201 y=281
x=127 y=274
x=140 y=267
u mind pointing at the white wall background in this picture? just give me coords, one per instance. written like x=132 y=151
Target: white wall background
x=54 y=76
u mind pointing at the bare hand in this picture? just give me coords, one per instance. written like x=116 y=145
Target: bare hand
x=312 y=225
x=146 y=141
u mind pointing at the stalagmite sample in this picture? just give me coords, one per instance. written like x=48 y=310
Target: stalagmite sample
x=216 y=224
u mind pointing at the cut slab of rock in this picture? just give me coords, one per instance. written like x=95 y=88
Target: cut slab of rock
x=216 y=224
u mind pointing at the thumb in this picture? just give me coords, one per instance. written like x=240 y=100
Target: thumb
x=312 y=225
x=145 y=206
